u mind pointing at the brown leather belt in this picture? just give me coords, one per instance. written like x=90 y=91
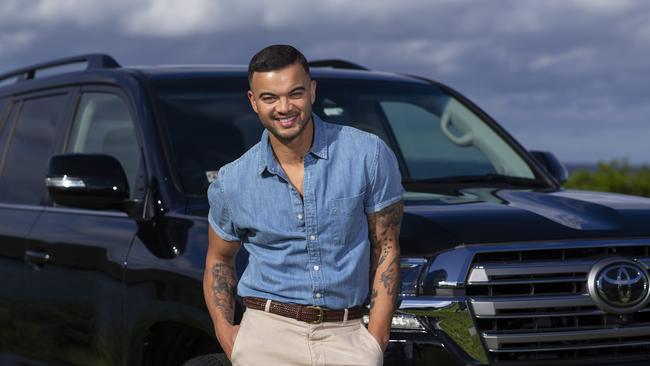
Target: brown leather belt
x=304 y=313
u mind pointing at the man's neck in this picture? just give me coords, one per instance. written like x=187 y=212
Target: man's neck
x=292 y=152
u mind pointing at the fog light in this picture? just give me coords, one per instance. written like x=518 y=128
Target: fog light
x=402 y=322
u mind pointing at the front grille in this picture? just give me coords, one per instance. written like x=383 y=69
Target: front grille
x=535 y=306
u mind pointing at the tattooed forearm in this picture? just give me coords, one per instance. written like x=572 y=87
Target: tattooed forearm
x=390 y=280
x=224 y=286
x=384 y=229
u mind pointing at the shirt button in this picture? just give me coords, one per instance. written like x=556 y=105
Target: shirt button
x=316 y=268
x=299 y=216
x=312 y=237
x=317 y=295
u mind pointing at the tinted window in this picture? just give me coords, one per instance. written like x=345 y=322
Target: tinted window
x=3 y=102
x=3 y=117
x=435 y=134
x=31 y=144
x=104 y=125
x=416 y=136
x=210 y=123
x=5 y=130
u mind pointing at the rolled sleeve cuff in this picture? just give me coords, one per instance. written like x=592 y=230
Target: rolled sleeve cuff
x=224 y=235
x=382 y=205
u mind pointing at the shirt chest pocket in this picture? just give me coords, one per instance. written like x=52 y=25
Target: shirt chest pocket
x=347 y=217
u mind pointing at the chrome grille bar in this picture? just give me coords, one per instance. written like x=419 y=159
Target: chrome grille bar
x=545 y=314
x=573 y=348
x=525 y=281
x=495 y=341
x=485 y=307
x=483 y=273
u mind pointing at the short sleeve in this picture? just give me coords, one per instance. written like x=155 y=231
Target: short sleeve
x=385 y=186
x=220 y=215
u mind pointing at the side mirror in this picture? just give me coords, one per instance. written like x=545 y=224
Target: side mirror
x=552 y=165
x=92 y=181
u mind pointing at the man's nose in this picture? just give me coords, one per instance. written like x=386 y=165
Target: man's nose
x=284 y=105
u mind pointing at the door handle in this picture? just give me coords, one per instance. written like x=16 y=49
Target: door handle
x=37 y=257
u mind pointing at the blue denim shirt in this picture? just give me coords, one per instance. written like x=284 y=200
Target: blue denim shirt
x=312 y=250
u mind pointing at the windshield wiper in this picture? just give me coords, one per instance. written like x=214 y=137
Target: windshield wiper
x=484 y=178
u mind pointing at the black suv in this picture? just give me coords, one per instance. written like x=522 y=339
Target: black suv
x=103 y=228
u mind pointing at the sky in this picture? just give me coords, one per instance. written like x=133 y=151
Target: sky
x=567 y=76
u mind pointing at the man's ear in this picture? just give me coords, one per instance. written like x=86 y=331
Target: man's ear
x=251 y=99
x=312 y=90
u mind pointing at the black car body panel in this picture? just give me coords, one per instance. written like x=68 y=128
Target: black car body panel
x=501 y=215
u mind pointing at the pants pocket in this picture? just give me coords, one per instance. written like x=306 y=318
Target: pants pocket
x=238 y=338
x=372 y=340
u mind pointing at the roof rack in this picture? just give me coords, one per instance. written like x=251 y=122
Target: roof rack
x=337 y=64
x=93 y=60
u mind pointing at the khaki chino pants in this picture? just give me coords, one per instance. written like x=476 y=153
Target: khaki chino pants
x=270 y=339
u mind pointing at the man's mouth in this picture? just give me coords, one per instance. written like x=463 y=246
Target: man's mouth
x=287 y=121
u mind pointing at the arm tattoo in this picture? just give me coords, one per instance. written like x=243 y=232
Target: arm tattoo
x=390 y=277
x=383 y=229
x=224 y=289
x=375 y=252
x=373 y=296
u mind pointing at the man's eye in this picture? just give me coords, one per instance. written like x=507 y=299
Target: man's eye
x=268 y=99
x=296 y=95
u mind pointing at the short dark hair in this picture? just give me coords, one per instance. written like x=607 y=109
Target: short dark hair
x=276 y=57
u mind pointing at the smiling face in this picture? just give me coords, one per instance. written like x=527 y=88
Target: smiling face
x=282 y=99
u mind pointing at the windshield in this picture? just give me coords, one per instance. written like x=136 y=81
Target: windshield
x=210 y=123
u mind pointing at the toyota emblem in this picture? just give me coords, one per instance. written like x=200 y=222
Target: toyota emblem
x=619 y=285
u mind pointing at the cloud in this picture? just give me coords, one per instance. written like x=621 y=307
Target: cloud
x=603 y=6
x=46 y=13
x=581 y=55
x=14 y=42
x=170 y=18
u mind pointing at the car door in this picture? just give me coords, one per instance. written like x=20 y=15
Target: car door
x=16 y=219
x=27 y=138
x=83 y=252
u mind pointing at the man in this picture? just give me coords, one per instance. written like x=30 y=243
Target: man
x=318 y=207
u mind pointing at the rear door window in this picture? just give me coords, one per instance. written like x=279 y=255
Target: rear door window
x=29 y=148
x=3 y=102
x=3 y=118
x=5 y=129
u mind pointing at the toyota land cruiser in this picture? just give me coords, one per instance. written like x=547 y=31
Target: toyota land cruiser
x=103 y=228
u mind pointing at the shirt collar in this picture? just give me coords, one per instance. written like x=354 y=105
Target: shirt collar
x=318 y=148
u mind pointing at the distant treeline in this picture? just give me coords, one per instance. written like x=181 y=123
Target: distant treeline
x=613 y=176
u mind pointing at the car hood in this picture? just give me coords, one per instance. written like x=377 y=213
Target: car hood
x=434 y=222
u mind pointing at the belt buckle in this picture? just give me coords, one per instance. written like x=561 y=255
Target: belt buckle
x=320 y=314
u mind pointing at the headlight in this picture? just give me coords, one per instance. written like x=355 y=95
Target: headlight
x=410 y=270
x=403 y=323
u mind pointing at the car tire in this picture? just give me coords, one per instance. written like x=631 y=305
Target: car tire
x=214 y=359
